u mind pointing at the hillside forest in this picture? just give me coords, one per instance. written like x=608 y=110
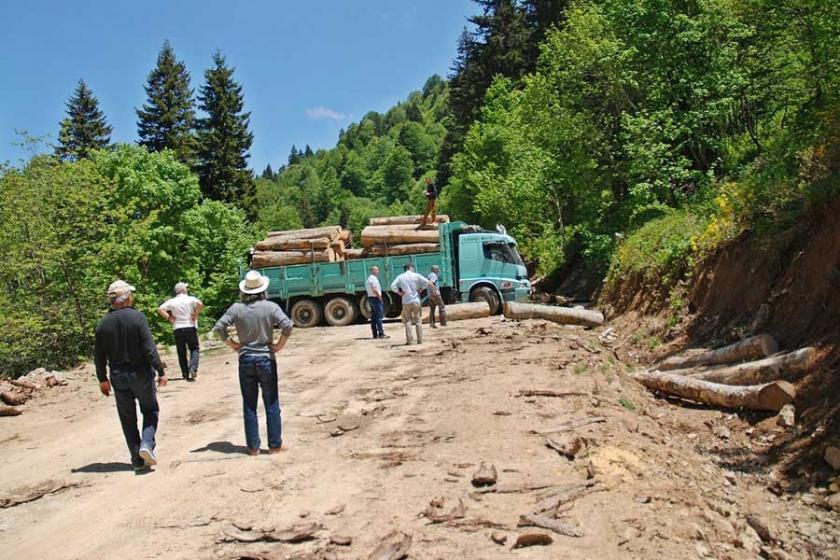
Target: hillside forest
x=617 y=136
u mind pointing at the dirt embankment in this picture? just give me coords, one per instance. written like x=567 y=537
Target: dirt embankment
x=787 y=285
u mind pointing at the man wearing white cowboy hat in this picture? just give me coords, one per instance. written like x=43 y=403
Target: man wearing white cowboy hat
x=255 y=319
x=124 y=344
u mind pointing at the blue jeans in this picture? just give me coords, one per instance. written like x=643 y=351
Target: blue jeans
x=260 y=372
x=130 y=385
x=377 y=312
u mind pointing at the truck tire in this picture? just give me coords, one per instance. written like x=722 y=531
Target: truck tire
x=393 y=305
x=488 y=295
x=340 y=312
x=306 y=313
x=364 y=307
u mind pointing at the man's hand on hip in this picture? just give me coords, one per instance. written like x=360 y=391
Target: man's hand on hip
x=161 y=381
x=105 y=388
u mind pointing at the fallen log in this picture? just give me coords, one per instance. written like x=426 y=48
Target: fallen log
x=404 y=220
x=566 y=495
x=462 y=311
x=556 y=314
x=13 y=399
x=559 y=527
x=760 y=371
x=532 y=539
x=405 y=249
x=399 y=234
x=327 y=231
x=294 y=244
x=747 y=349
x=23 y=384
x=769 y=396
x=263 y=259
x=547 y=393
x=10 y=411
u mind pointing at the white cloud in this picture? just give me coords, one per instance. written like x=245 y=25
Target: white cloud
x=320 y=113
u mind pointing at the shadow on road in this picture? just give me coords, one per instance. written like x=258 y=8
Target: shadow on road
x=103 y=468
x=221 y=447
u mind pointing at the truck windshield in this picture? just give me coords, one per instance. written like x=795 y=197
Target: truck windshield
x=501 y=251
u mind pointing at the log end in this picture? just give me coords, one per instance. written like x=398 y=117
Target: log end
x=775 y=395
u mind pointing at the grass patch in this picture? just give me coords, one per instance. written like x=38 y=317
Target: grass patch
x=627 y=404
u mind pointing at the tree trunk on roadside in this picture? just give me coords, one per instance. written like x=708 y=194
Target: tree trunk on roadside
x=760 y=371
x=563 y=315
x=747 y=349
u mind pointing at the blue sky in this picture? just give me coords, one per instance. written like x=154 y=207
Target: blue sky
x=307 y=68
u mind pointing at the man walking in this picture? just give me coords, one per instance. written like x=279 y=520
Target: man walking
x=124 y=344
x=182 y=311
x=435 y=297
x=255 y=319
x=408 y=285
x=377 y=306
x=431 y=203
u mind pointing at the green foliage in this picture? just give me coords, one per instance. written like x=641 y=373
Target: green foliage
x=223 y=136
x=71 y=228
x=167 y=119
x=85 y=128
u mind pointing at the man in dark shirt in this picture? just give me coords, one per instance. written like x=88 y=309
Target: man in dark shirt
x=124 y=343
x=431 y=203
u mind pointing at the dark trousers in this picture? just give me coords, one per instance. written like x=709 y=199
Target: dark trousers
x=260 y=373
x=436 y=301
x=377 y=312
x=130 y=385
x=187 y=338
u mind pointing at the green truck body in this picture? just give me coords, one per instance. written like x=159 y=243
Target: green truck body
x=475 y=265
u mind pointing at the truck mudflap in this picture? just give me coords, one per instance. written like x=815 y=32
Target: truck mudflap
x=515 y=291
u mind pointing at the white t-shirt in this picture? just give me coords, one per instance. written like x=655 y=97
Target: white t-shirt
x=434 y=286
x=182 y=307
x=410 y=283
x=374 y=289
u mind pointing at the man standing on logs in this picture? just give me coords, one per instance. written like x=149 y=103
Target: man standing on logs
x=182 y=311
x=408 y=285
x=435 y=298
x=431 y=203
x=255 y=319
x=124 y=344
x=377 y=306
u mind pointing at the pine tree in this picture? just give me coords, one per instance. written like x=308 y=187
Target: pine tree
x=540 y=17
x=167 y=119
x=294 y=155
x=85 y=128
x=223 y=136
x=308 y=152
x=268 y=173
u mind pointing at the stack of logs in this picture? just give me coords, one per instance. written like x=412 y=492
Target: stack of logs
x=717 y=378
x=398 y=235
x=302 y=246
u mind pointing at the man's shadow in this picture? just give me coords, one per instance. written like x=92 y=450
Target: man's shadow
x=225 y=447
x=102 y=468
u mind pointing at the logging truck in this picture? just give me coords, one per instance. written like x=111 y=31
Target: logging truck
x=475 y=265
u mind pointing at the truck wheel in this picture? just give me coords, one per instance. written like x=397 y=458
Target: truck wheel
x=340 y=312
x=306 y=313
x=393 y=305
x=364 y=307
x=488 y=295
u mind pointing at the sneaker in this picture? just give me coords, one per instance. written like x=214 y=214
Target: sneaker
x=148 y=456
x=194 y=374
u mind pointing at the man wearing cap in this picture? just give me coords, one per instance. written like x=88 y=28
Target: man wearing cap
x=182 y=311
x=124 y=344
x=377 y=307
x=255 y=319
x=435 y=297
x=408 y=285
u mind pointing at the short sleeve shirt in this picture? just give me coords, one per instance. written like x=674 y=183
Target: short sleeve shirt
x=182 y=307
x=374 y=289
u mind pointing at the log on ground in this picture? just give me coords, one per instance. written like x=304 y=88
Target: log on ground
x=399 y=234
x=750 y=348
x=10 y=411
x=556 y=314
x=768 y=396
x=290 y=244
x=759 y=371
x=405 y=220
x=461 y=311
x=263 y=259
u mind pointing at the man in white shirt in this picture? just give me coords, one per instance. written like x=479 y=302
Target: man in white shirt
x=377 y=306
x=408 y=285
x=182 y=311
x=435 y=297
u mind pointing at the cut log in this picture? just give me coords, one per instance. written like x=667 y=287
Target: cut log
x=346 y=237
x=353 y=254
x=404 y=220
x=263 y=259
x=288 y=244
x=10 y=411
x=398 y=235
x=404 y=249
x=327 y=231
x=747 y=349
x=24 y=384
x=760 y=371
x=461 y=311
x=769 y=396
x=338 y=248
x=13 y=399
x=556 y=314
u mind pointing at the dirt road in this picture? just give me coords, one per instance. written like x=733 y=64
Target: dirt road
x=377 y=431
